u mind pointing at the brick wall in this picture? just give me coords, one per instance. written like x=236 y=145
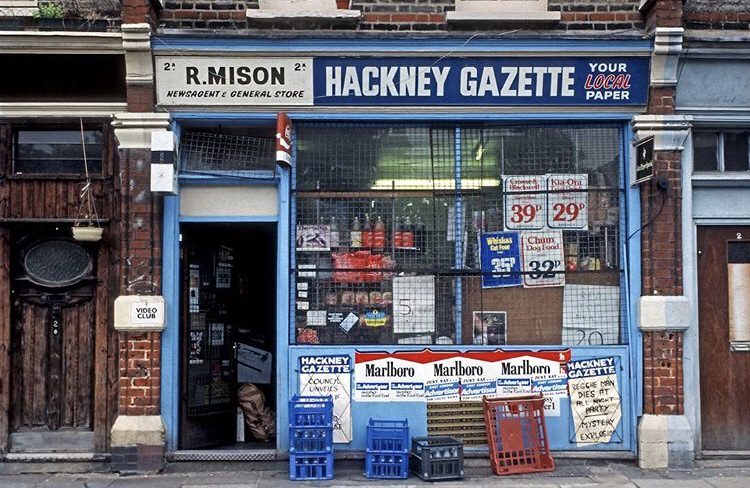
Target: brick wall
x=139 y=11
x=712 y=14
x=140 y=262
x=662 y=373
x=400 y=15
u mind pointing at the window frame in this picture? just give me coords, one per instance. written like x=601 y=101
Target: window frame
x=720 y=150
x=72 y=127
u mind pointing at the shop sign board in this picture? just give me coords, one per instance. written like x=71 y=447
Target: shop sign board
x=330 y=376
x=449 y=376
x=542 y=256
x=644 y=160
x=525 y=202
x=196 y=80
x=567 y=210
x=594 y=399
x=217 y=81
x=500 y=254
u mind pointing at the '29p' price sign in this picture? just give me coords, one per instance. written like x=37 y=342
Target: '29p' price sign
x=525 y=202
x=501 y=259
x=567 y=209
x=542 y=255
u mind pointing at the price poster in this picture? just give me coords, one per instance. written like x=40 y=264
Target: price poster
x=500 y=255
x=542 y=257
x=567 y=210
x=525 y=202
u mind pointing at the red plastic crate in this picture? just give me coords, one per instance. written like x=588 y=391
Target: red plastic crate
x=517 y=435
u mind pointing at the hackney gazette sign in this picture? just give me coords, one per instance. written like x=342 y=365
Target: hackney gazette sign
x=407 y=81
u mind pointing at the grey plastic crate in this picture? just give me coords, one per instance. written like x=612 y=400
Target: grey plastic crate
x=435 y=458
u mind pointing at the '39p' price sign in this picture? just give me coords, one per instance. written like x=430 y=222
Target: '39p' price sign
x=525 y=202
x=542 y=256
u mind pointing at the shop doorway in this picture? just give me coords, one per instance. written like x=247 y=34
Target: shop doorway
x=228 y=336
x=724 y=317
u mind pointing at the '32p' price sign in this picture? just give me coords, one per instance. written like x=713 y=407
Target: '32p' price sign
x=542 y=256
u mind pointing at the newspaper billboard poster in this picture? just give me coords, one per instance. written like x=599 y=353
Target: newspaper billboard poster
x=330 y=375
x=594 y=400
x=449 y=376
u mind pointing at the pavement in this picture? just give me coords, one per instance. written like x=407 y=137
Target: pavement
x=569 y=473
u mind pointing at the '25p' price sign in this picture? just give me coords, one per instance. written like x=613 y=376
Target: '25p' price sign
x=542 y=255
x=525 y=202
x=567 y=210
x=500 y=254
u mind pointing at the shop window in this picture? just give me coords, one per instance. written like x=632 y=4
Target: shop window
x=724 y=151
x=411 y=235
x=57 y=152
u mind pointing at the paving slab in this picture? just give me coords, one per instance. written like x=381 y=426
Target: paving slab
x=671 y=483
x=728 y=482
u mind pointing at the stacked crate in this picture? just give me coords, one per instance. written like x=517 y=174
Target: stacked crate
x=310 y=438
x=436 y=458
x=387 y=454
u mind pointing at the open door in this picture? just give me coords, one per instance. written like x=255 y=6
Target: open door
x=227 y=308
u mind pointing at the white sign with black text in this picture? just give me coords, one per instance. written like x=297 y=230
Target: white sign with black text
x=217 y=81
x=542 y=257
x=330 y=376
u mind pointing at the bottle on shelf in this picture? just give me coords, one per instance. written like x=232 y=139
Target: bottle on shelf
x=397 y=235
x=335 y=236
x=420 y=235
x=355 y=235
x=378 y=234
x=367 y=233
x=407 y=237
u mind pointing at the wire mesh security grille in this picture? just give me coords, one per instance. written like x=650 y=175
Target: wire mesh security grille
x=424 y=234
x=229 y=154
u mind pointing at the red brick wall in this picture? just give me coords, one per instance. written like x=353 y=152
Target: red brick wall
x=662 y=373
x=401 y=15
x=139 y=11
x=664 y=13
x=141 y=98
x=140 y=269
x=718 y=15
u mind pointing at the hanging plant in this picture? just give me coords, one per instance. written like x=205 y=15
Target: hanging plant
x=86 y=226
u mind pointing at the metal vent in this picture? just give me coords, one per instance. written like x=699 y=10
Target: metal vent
x=208 y=152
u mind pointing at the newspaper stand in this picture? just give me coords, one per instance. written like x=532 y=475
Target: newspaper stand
x=436 y=458
x=387 y=454
x=310 y=438
x=517 y=435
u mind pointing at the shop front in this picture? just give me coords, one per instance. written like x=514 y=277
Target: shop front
x=450 y=227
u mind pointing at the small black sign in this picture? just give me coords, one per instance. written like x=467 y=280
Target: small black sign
x=644 y=160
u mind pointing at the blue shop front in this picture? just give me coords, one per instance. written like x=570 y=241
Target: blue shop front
x=454 y=223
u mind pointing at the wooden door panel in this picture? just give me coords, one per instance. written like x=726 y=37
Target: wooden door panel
x=724 y=375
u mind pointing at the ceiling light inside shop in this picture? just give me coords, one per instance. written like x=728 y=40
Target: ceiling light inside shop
x=437 y=184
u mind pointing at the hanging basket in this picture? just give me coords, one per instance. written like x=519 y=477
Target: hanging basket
x=88 y=234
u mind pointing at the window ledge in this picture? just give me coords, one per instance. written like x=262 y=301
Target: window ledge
x=533 y=17
x=715 y=178
x=303 y=14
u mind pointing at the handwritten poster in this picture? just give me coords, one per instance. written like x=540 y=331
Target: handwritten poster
x=594 y=399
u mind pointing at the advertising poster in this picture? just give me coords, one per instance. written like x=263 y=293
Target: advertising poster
x=330 y=375
x=313 y=238
x=488 y=328
x=542 y=257
x=594 y=399
x=525 y=202
x=449 y=376
x=568 y=210
x=500 y=255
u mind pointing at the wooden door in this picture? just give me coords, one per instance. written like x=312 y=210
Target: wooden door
x=52 y=348
x=723 y=259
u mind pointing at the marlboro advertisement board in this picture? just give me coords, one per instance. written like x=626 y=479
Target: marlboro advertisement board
x=451 y=376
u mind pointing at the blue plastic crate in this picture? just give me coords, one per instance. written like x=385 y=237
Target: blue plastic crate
x=387 y=464
x=310 y=467
x=310 y=439
x=388 y=435
x=311 y=411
